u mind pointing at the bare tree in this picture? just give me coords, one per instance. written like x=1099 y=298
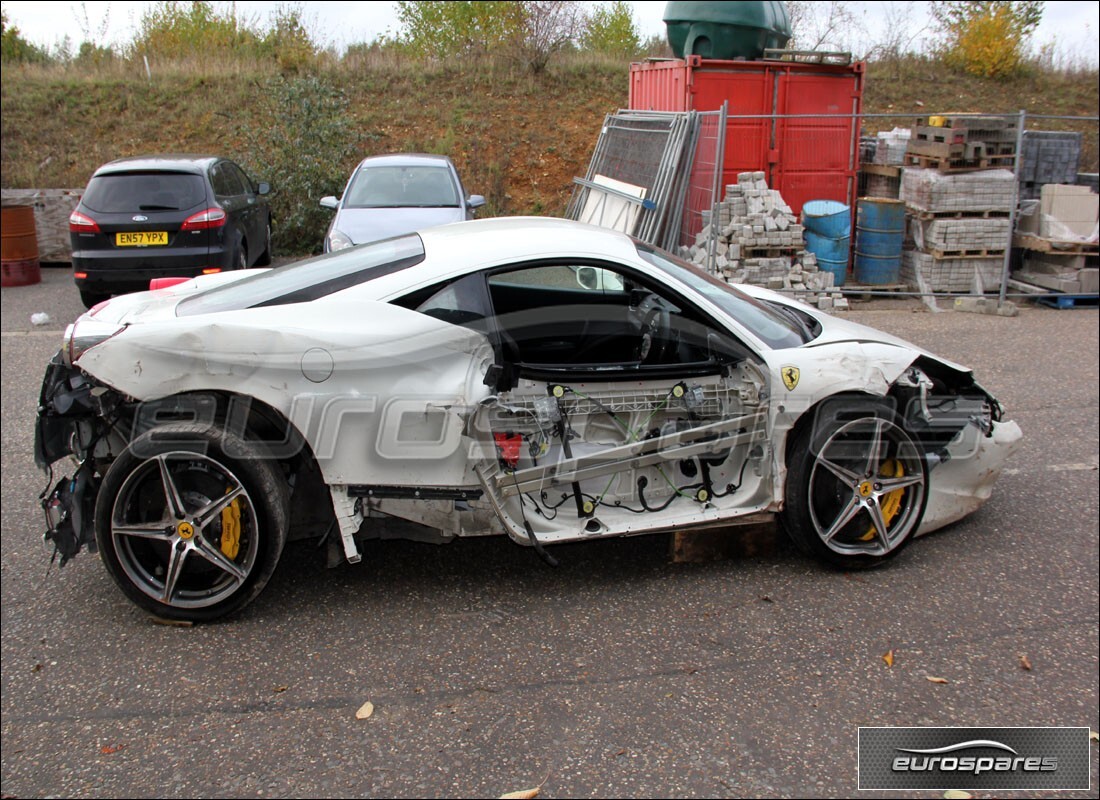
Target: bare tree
x=549 y=26
x=902 y=32
x=819 y=25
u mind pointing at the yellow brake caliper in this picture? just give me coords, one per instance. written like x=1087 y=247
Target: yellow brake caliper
x=891 y=503
x=231 y=529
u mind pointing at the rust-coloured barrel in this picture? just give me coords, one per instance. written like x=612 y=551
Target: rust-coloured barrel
x=18 y=247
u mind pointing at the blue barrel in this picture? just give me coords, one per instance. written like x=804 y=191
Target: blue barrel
x=832 y=255
x=880 y=232
x=827 y=218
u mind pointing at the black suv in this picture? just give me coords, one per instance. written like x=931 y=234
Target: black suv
x=166 y=216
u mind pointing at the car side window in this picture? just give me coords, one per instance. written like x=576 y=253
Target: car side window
x=239 y=176
x=595 y=317
x=228 y=181
x=461 y=302
x=221 y=181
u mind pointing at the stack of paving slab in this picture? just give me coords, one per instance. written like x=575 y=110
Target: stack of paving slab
x=1048 y=157
x=958 y=228
x=1057 y=236
x=758 y=240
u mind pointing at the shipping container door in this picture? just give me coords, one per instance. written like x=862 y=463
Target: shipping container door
x=815 y=158
x=748 y=91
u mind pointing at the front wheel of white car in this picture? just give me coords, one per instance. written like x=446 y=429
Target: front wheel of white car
x=191 y=521
x=856 y=485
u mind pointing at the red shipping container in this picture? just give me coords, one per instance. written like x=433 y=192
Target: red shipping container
x=805 y=158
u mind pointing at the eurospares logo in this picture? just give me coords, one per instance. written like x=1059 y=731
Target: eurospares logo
x=974 y=758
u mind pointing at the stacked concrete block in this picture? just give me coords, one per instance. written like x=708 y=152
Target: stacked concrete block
x=1089 y=179
x=960 y=274
x=891 y=146
x=963 y=234
x=1058 y=272
x=958 y=225
x=1048 y=157
x=757 y=239
x=930 y=190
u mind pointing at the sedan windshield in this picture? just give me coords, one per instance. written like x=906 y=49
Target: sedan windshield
x=311 y=279
x=775 y=329
x=402 y=187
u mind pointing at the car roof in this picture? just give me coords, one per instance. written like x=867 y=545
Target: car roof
x=406 y=160
x=196 y=164
x=463 y=244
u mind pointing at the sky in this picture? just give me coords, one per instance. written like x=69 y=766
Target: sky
x=1072 y=25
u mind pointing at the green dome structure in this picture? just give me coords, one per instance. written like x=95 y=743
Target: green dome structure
x=726 y=30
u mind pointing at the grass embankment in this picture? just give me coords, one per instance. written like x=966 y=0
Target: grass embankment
x=517 y=138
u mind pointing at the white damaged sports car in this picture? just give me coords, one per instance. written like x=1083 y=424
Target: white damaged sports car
x=531 y=377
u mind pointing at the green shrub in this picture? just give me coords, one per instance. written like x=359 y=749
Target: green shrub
x=300 y=138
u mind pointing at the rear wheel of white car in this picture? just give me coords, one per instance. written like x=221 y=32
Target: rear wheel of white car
x=856 y=485
x=191 y=522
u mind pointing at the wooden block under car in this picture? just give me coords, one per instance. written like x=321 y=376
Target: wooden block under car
x=720 y=544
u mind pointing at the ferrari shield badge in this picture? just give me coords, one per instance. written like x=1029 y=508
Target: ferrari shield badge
x=790 y=377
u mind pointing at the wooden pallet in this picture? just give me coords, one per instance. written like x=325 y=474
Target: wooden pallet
x=1058 y=247
x=923 y=214
x=1064 y=301
x=952 y=165
x=1054 y=299
x=864 y=290
x=884 y=170
x=977 y=252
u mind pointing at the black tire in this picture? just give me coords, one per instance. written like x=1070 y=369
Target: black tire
x=265 y=257
x=146 y=532
x=857 y=484
x=92 y=299
x=240 y=256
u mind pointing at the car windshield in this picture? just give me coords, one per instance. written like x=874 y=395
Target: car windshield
x=774 y=328
x=402 y=187
x=310 y=279
x=127 y=192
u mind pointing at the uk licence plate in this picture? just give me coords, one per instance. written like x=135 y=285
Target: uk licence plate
x=141 y=238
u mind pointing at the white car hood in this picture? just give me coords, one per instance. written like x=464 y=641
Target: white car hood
x=835 y=330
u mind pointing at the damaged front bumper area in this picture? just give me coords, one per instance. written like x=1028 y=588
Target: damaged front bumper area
x=966 y=438
x=71 y=410
x=961 y=483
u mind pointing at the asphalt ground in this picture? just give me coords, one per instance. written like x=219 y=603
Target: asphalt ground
x=618 y=674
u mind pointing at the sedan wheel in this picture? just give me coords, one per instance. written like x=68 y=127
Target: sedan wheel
x=265 y=257
x=856 y=489
x=188 y=531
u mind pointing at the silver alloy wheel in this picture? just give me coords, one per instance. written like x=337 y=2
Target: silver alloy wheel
x=866 y=488
x=185 y=530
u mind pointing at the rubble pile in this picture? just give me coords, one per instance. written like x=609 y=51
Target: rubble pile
x=757 y=239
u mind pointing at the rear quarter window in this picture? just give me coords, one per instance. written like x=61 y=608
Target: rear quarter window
x=144 y=191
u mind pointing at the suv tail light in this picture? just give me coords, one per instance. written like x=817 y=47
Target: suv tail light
x=204 y=220
x=82 y=223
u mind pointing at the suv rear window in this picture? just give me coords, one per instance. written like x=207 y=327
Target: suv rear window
x=311 y=279
x=126 y=192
